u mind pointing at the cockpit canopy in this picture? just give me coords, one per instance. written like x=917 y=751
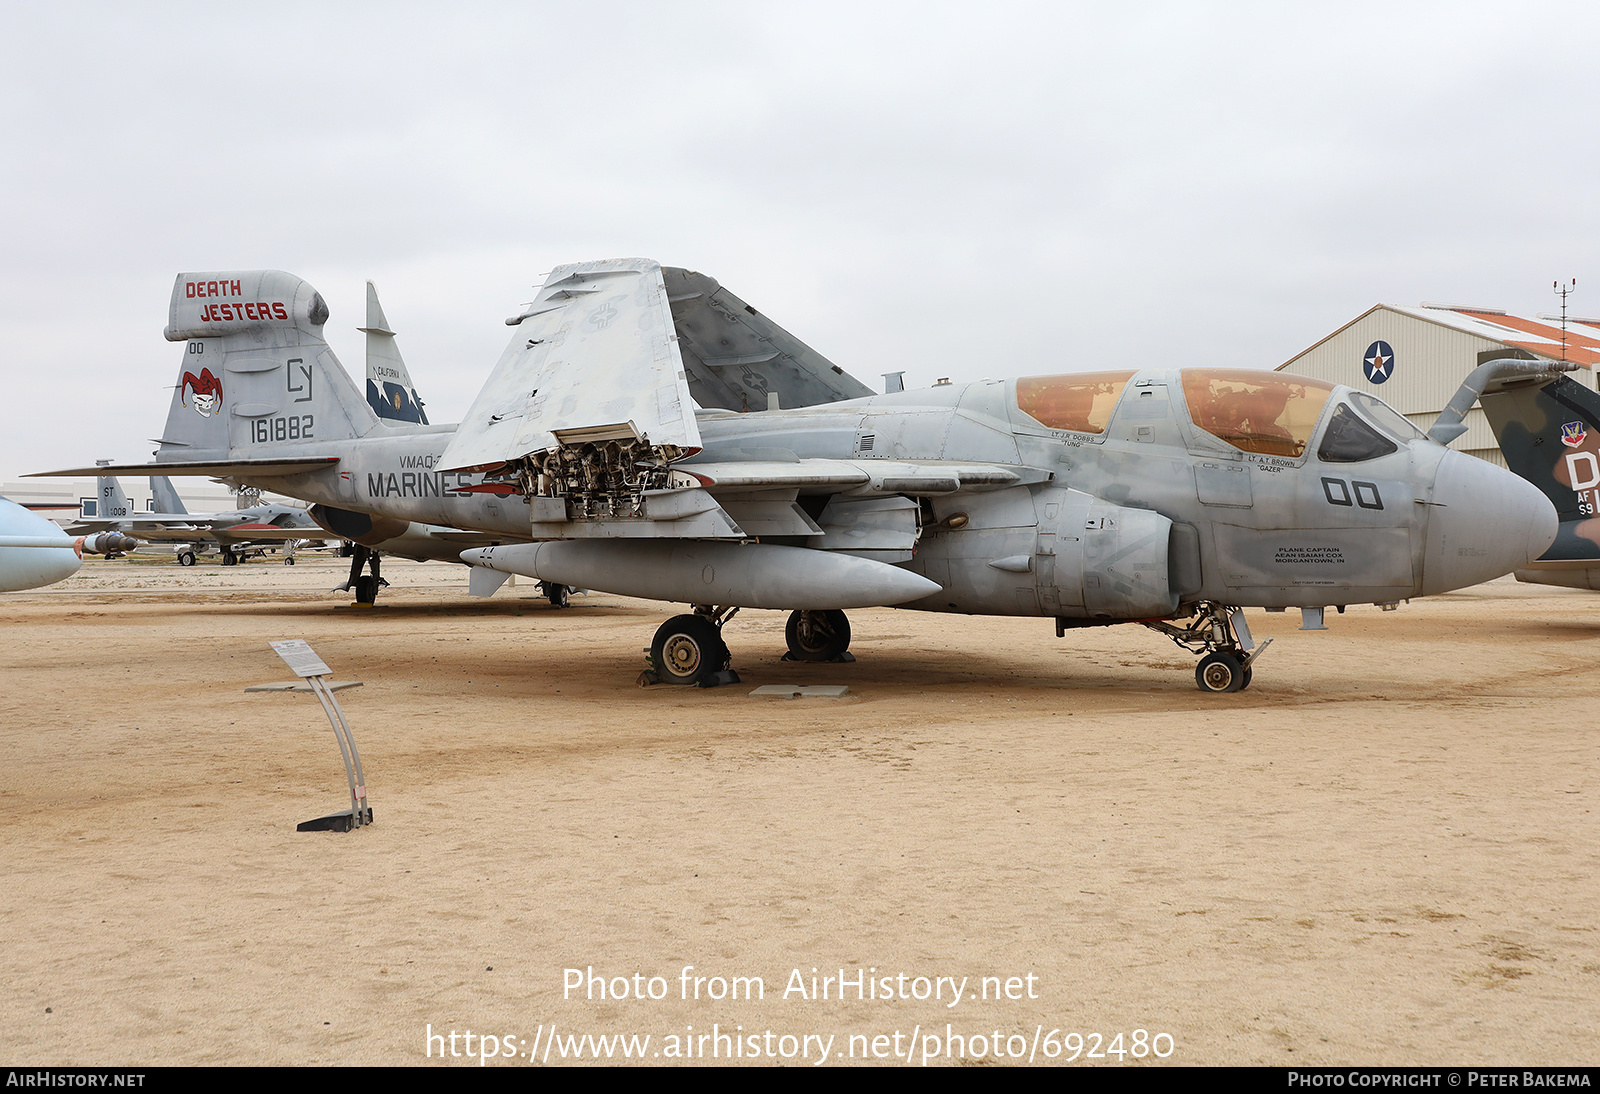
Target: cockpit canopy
x=1079 y=401
x=1263 y=412
x=1268 y=413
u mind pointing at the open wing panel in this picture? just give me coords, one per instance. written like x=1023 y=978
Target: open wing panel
x=594 y=359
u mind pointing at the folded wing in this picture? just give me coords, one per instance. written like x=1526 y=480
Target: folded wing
x=594 y=359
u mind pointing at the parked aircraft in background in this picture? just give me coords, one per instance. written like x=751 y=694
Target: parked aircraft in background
x=35 y=552
x=235 y=533
x=1549 y=433
x=1173 y=498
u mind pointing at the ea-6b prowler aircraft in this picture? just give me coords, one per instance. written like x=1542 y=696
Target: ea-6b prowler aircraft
x=1169 y=497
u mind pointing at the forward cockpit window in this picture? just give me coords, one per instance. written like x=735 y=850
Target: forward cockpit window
x=1079 y=401
x=1387 y=418
x=1257 y=411
x=1349 y=439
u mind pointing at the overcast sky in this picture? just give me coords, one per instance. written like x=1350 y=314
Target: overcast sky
x=950 y=190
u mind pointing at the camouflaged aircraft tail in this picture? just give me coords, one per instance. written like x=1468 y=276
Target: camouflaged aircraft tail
x=1550 y=435
x=256 y=373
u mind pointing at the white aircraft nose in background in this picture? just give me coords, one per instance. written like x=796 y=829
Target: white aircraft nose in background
x=29 y=557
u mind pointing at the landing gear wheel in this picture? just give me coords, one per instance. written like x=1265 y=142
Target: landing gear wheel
x=366 y=590
x=1249 y=673
x=229 y=558
x=557 y=594
x=185 y=558
x=288 y=560
x=1219 y=672
x=817 y=636
x=688 y=650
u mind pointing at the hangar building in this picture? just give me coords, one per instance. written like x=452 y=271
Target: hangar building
x=1414 y=359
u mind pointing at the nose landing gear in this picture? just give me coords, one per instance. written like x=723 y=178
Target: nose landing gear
x=1221 y=634
x=1221 y=671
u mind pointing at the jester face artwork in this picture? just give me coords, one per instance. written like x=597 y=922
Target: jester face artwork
x=203 y=392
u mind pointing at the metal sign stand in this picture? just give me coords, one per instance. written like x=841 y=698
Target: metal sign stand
x=316 y=678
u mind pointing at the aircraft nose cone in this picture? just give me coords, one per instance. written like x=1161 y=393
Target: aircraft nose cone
x=1484 y=522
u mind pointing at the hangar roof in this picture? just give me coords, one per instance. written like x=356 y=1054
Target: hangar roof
x=1540 y=336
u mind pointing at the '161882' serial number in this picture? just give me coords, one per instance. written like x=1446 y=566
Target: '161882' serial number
x=296 y=427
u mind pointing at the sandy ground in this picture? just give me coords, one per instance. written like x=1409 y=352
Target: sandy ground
x=1383 y=852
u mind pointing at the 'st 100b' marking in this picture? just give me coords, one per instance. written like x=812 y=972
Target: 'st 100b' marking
x=296 y=427
x=1338 y=492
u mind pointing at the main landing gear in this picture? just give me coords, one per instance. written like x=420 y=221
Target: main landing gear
x=365 y=586
x=1221 y=634
x=556 y=594
x=818 y=636
x=688 y=649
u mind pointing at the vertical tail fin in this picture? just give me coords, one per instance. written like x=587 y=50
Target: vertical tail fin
x=166 y=498
x=111 y=502
x=390 y=392
x=1550 y=435
x=256 y=370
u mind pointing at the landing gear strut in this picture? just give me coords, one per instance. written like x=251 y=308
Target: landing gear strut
x=818 y=636
x=366 y=588
x=1220 y=633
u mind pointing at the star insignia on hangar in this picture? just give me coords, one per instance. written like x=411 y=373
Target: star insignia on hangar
x=1378 y=362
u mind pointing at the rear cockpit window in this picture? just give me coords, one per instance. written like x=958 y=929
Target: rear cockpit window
x=1079 y=401
x=1348 y=439
x=1265 y=412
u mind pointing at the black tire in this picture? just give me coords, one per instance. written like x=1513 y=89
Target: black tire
x=366 y=589
x=229 y=558
x=1220 y=672
x=688 y=650
x=288 y=560
x=185 y=558
x=556 y=594
x=817 y=636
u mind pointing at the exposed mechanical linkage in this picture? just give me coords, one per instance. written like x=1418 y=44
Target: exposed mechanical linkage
x=1220 y=633
x=601 y=479
x=366 y=588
